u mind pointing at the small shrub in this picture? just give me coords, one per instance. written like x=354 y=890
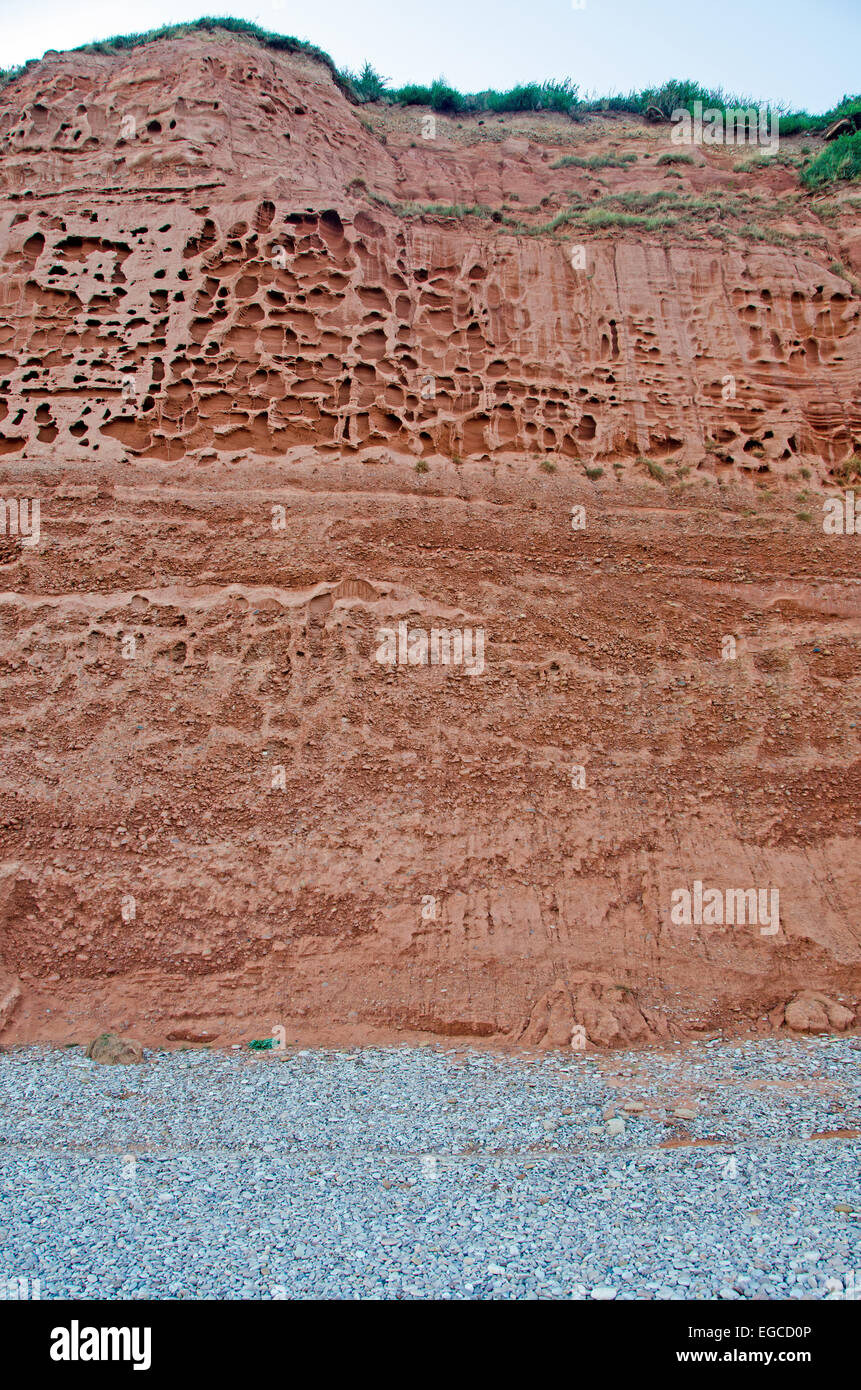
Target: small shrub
x=421 y=466
x=547 y=465
x=671 y=158
x=655 y=469
x=848 y=471
x=438 y=96
x=594 y=472
x=368 y=84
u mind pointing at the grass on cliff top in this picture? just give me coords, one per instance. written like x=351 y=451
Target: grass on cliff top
x=208 y=24
x=369 y=85
x=439 y=96
x=563 y=96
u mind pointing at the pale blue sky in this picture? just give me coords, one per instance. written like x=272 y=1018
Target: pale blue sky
x=803 y=52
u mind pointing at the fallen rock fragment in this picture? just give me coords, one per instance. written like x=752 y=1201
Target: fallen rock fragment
x=806 y=1016
x=10 y=998
x=810 y=1012
x=111 y=1050
x=685 y=1112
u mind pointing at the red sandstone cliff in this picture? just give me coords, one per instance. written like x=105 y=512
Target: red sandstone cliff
x=270 y=403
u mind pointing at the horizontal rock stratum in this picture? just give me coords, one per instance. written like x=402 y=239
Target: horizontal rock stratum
x=283 y=373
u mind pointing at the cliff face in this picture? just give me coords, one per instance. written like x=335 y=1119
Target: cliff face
x=272 y=400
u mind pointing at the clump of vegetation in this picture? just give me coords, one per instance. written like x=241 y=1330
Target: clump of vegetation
x=534 y=96
x=606 y=217
x=762 y=161
x=838 y=162
x=848 y=471
x=528 y=96
x=367 y=84
x=666 y=99
x=9 y=74
x=456 y=210
x=677 y=95
x=793 y=122
x=438 y=96
x=654 y=469
x=547 y=465
x=421 y=466
x=593 y=472
x=594 y=161
x=672 y=158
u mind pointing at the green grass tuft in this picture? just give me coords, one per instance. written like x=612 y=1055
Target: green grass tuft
x=655 y=470
x=838 y=162
x=595 y=161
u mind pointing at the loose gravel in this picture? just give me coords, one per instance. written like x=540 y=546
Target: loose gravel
x=430 y=1173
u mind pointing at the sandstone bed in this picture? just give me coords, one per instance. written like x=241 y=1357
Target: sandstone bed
x=271 y=401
